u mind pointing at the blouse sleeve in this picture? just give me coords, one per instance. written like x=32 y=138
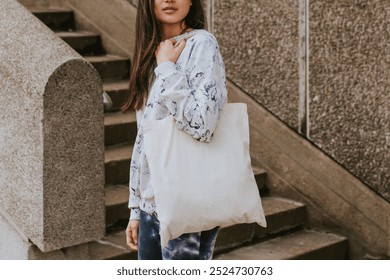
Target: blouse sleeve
x=135 y=195
x=196 y=95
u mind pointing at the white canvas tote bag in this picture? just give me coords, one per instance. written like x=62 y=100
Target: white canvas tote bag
x=198 y=185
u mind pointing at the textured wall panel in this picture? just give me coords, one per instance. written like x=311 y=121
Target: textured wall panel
x=259 y=43
x=350 y=85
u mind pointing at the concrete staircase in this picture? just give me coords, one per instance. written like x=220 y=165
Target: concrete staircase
x=286 y=236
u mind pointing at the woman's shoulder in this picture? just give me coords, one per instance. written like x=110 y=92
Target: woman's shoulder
x=198 y=35
x=200 y=45
x=202 y=35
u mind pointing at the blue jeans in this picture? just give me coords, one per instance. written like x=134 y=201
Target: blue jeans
x=190 y=246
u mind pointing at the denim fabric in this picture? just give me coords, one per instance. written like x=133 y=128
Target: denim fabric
x=190 y=246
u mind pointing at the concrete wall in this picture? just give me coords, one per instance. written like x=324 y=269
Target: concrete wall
x=259 y=43
x=350 y=86
x=133 y=2
x=336 y=200
x=51 y=136
x=338 y=96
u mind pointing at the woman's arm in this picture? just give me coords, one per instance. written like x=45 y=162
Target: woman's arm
x=196 y=96
x=135 y=177
x=134 y=201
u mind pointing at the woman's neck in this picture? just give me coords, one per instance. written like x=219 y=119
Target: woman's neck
x=170 y=31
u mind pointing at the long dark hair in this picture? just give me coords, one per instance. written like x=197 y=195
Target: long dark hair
x=148 y=36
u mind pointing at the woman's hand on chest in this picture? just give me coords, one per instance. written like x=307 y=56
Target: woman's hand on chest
x=169 y=50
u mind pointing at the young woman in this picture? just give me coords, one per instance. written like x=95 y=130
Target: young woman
x=177 y=70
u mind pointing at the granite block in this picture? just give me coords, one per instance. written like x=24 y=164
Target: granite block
x=51 y=135
x=18 y=247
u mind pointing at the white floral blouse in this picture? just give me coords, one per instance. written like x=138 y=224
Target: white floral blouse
x=193 y=90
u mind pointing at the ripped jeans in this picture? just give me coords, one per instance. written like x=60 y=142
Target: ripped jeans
x=190 y=246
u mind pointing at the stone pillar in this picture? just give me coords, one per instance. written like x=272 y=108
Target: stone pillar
x=51 y=138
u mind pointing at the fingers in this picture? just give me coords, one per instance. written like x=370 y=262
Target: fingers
x=169 y=50
x=132 y=234
x=171 y=43
x=180 y=45
x=176 y=43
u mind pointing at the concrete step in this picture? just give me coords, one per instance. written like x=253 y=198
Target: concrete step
x=112 y=247
x=84 y=42
x=110 y=67
x=275 y=208
x=117 y=198
x=119 y=128
x=260 y=176
x=117 y=91
x=117 y=164
x=281 y=215
x=56 y=19
x=301 y=245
